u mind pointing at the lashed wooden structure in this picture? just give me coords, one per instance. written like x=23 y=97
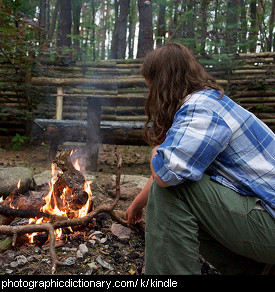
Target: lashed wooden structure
x=249 y=80
x=110 y=95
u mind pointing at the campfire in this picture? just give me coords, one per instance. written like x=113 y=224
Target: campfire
x=65 y=200
x=70 y=196
x=67 y=204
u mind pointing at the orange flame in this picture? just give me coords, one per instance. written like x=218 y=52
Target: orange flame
x=76 y=165
x=18 y=184
x=63 y=209
x=32 y=235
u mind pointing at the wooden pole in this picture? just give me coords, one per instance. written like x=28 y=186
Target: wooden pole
x=59 y=103
x=93 y=133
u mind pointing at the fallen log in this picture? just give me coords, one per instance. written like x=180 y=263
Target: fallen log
x=257 y=55
x=99 y=83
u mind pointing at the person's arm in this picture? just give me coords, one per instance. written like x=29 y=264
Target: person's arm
x=134 y=212
x=196 y=138
x=158 y=180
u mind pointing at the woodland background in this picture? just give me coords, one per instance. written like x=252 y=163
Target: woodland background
x=70 y=31
x=104 y=29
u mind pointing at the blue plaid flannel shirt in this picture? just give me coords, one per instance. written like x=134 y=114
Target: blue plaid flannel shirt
x=220 y=138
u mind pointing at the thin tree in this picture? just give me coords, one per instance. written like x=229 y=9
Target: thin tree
x=132 y=27
x=76 y=11
x=161 y=24
x=115 y=32
x=271 y=37
x=203 y=26
x=64 y=24
x=124 y=6
x=253 y=32
x=243 y=43
x=232 y=21
x=145 y=37
x=54 y=20
x=42 y=19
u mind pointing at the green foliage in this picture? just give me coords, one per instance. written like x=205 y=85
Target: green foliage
x=220 y=26
x=18 y=49
x=18 y=141
x=224 y=62
x=27 y=7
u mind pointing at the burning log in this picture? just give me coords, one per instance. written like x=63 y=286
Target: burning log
x=24 y=206
x=12 y=213
x=69 y=193
x=15 y=205
x=72 y=179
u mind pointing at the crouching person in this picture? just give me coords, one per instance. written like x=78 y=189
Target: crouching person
x=212 y=189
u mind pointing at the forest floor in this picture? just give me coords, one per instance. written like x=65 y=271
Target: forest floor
x=92 y=249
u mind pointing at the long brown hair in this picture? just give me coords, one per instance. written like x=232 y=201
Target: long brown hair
x=173 y=73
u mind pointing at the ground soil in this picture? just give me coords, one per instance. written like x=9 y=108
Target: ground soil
x=136 y=159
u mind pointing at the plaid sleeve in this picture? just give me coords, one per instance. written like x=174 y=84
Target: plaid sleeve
x=196 y=137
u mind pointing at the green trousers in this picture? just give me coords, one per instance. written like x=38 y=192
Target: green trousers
x=206 y=218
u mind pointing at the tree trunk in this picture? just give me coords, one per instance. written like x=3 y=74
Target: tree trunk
x=216 y=28
x=93 y=30
x=122 y=28
x=115 y=33
x=232 y=25
x=203 y=26
x=104 y=17
x=190 y=25
x=42 y=23
x=161 y=25
x=132 y=28
x=243 y=44
x=271 y=27
x=54 y=18
x=76 y=10
x=145 y=38
x=253 y=32
x=64 y=24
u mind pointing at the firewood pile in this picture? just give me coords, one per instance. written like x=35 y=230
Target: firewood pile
x=56 y=211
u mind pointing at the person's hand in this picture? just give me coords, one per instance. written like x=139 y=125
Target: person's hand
x=134 y=214
x=135 y=211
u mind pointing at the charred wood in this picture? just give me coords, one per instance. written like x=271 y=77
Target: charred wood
x=10 y=212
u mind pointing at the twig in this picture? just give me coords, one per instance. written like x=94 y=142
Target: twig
x=119 y=163
x=55 y=261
